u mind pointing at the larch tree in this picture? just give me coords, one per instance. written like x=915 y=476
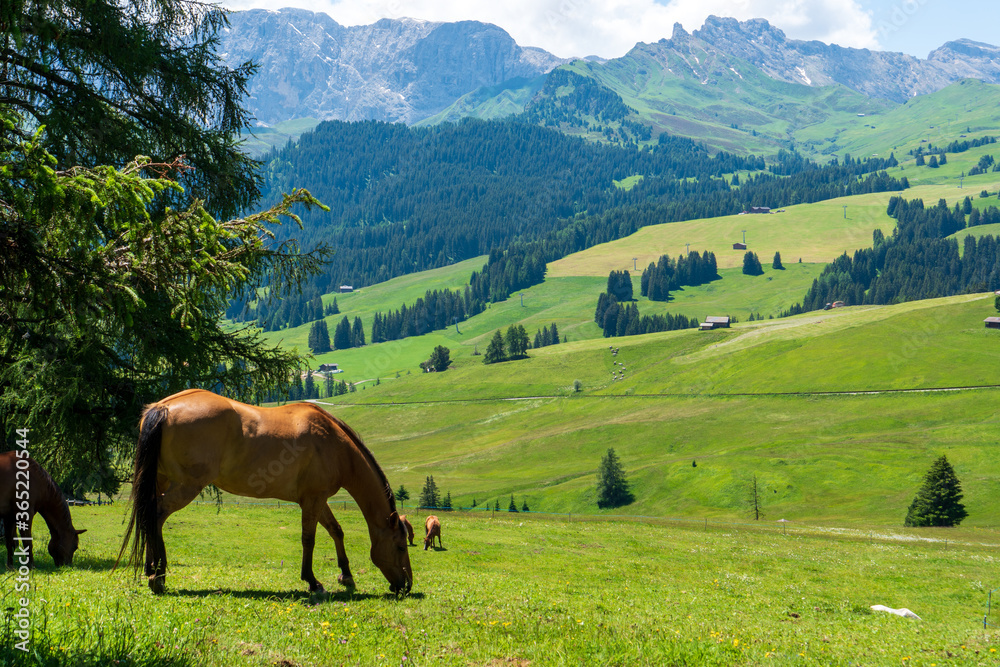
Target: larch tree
x=120 y=182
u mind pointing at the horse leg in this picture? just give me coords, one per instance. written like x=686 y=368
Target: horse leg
x=310 y=516
x=175 y=498
x=337 y=533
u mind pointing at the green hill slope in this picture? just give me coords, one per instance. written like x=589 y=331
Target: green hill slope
x=720 y=399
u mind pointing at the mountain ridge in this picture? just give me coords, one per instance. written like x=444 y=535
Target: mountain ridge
x=397 y=70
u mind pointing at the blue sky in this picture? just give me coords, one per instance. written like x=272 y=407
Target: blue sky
x=918 y=27
x=609 y=28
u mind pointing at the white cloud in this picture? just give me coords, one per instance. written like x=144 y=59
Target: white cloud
x=607 y=28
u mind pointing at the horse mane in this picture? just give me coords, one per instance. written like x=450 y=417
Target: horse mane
x=51 y=501
x=359 y=443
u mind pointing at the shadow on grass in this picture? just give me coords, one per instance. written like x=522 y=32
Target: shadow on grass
x=312 y=598
x=44 y=564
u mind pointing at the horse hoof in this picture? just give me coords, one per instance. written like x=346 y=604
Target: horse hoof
x=316 y=588
x=157 y=584
x=346 y=582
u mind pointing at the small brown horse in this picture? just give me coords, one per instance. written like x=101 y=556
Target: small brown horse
x=432 y=529
x=297 y=453
x=409 y=528
x=26 y=488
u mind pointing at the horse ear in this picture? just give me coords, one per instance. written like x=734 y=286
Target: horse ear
x=81 y=532
x=393 y=520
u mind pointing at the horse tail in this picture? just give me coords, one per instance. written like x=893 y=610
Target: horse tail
x=143 y=498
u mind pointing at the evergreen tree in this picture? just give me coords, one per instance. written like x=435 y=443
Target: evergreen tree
x=342 y=335
x=513 y=506
x=516 y=342
x=496 y=506
x=357 y=333
x=524 y=507
x=751 y=264
x=938 y=502
x=495 y=351
x=776 y=264
x=333 y=308
x=309 y=388
x=439 y=361
x=430 y=497
x=612 y=486
x=402 y=495
x=446 y=503
x=319 y=337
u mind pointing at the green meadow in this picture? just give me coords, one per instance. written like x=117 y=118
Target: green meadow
x=518 y=589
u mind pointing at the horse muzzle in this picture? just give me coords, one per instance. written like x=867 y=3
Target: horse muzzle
x=403 y=588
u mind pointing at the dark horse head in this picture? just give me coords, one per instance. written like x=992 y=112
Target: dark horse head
x=64 y=544
x=391 y=556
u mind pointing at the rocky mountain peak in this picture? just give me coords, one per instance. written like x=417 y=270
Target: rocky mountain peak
x=394 y=69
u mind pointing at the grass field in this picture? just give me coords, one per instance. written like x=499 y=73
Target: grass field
x=518 y=589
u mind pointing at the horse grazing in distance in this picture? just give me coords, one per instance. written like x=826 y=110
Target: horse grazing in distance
x=432 y=529
x=409 y=528
x=297 y=453
x=27 y=488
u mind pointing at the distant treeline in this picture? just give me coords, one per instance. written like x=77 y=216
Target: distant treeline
x=957 y=146
x=617 y=319
x=915 y=262
x=409 y=199
x=523 y=263
x=438 y=309
x=665 y=274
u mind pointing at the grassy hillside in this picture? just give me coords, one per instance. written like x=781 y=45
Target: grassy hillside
x=731 y=105
x=517 y=590
x=965 y=107
x=835 y=459
x=260 y=140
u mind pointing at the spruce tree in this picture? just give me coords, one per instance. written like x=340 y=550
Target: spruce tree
x=495 y=351
x=446 y=503
x=776 y=264
x=612 y=486
x=938 y=502
x=402 y=495
x=430 y=497
x=513 y=506
x=319 y=337
x=342 y=335
x=751 y=264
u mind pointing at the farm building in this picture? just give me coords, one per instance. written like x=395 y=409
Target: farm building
x=329 y=368
x=739 y=246
x=346 y=288
x=760 y=209
x=714 y=322
x=992 y=322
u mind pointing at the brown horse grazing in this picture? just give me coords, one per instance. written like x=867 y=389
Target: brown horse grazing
x=26 y=487
x=298 y=453
x=432 y=529
x=409 y=528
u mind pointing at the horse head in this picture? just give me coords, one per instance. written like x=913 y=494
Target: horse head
x=391 y=556
x=63 y=545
